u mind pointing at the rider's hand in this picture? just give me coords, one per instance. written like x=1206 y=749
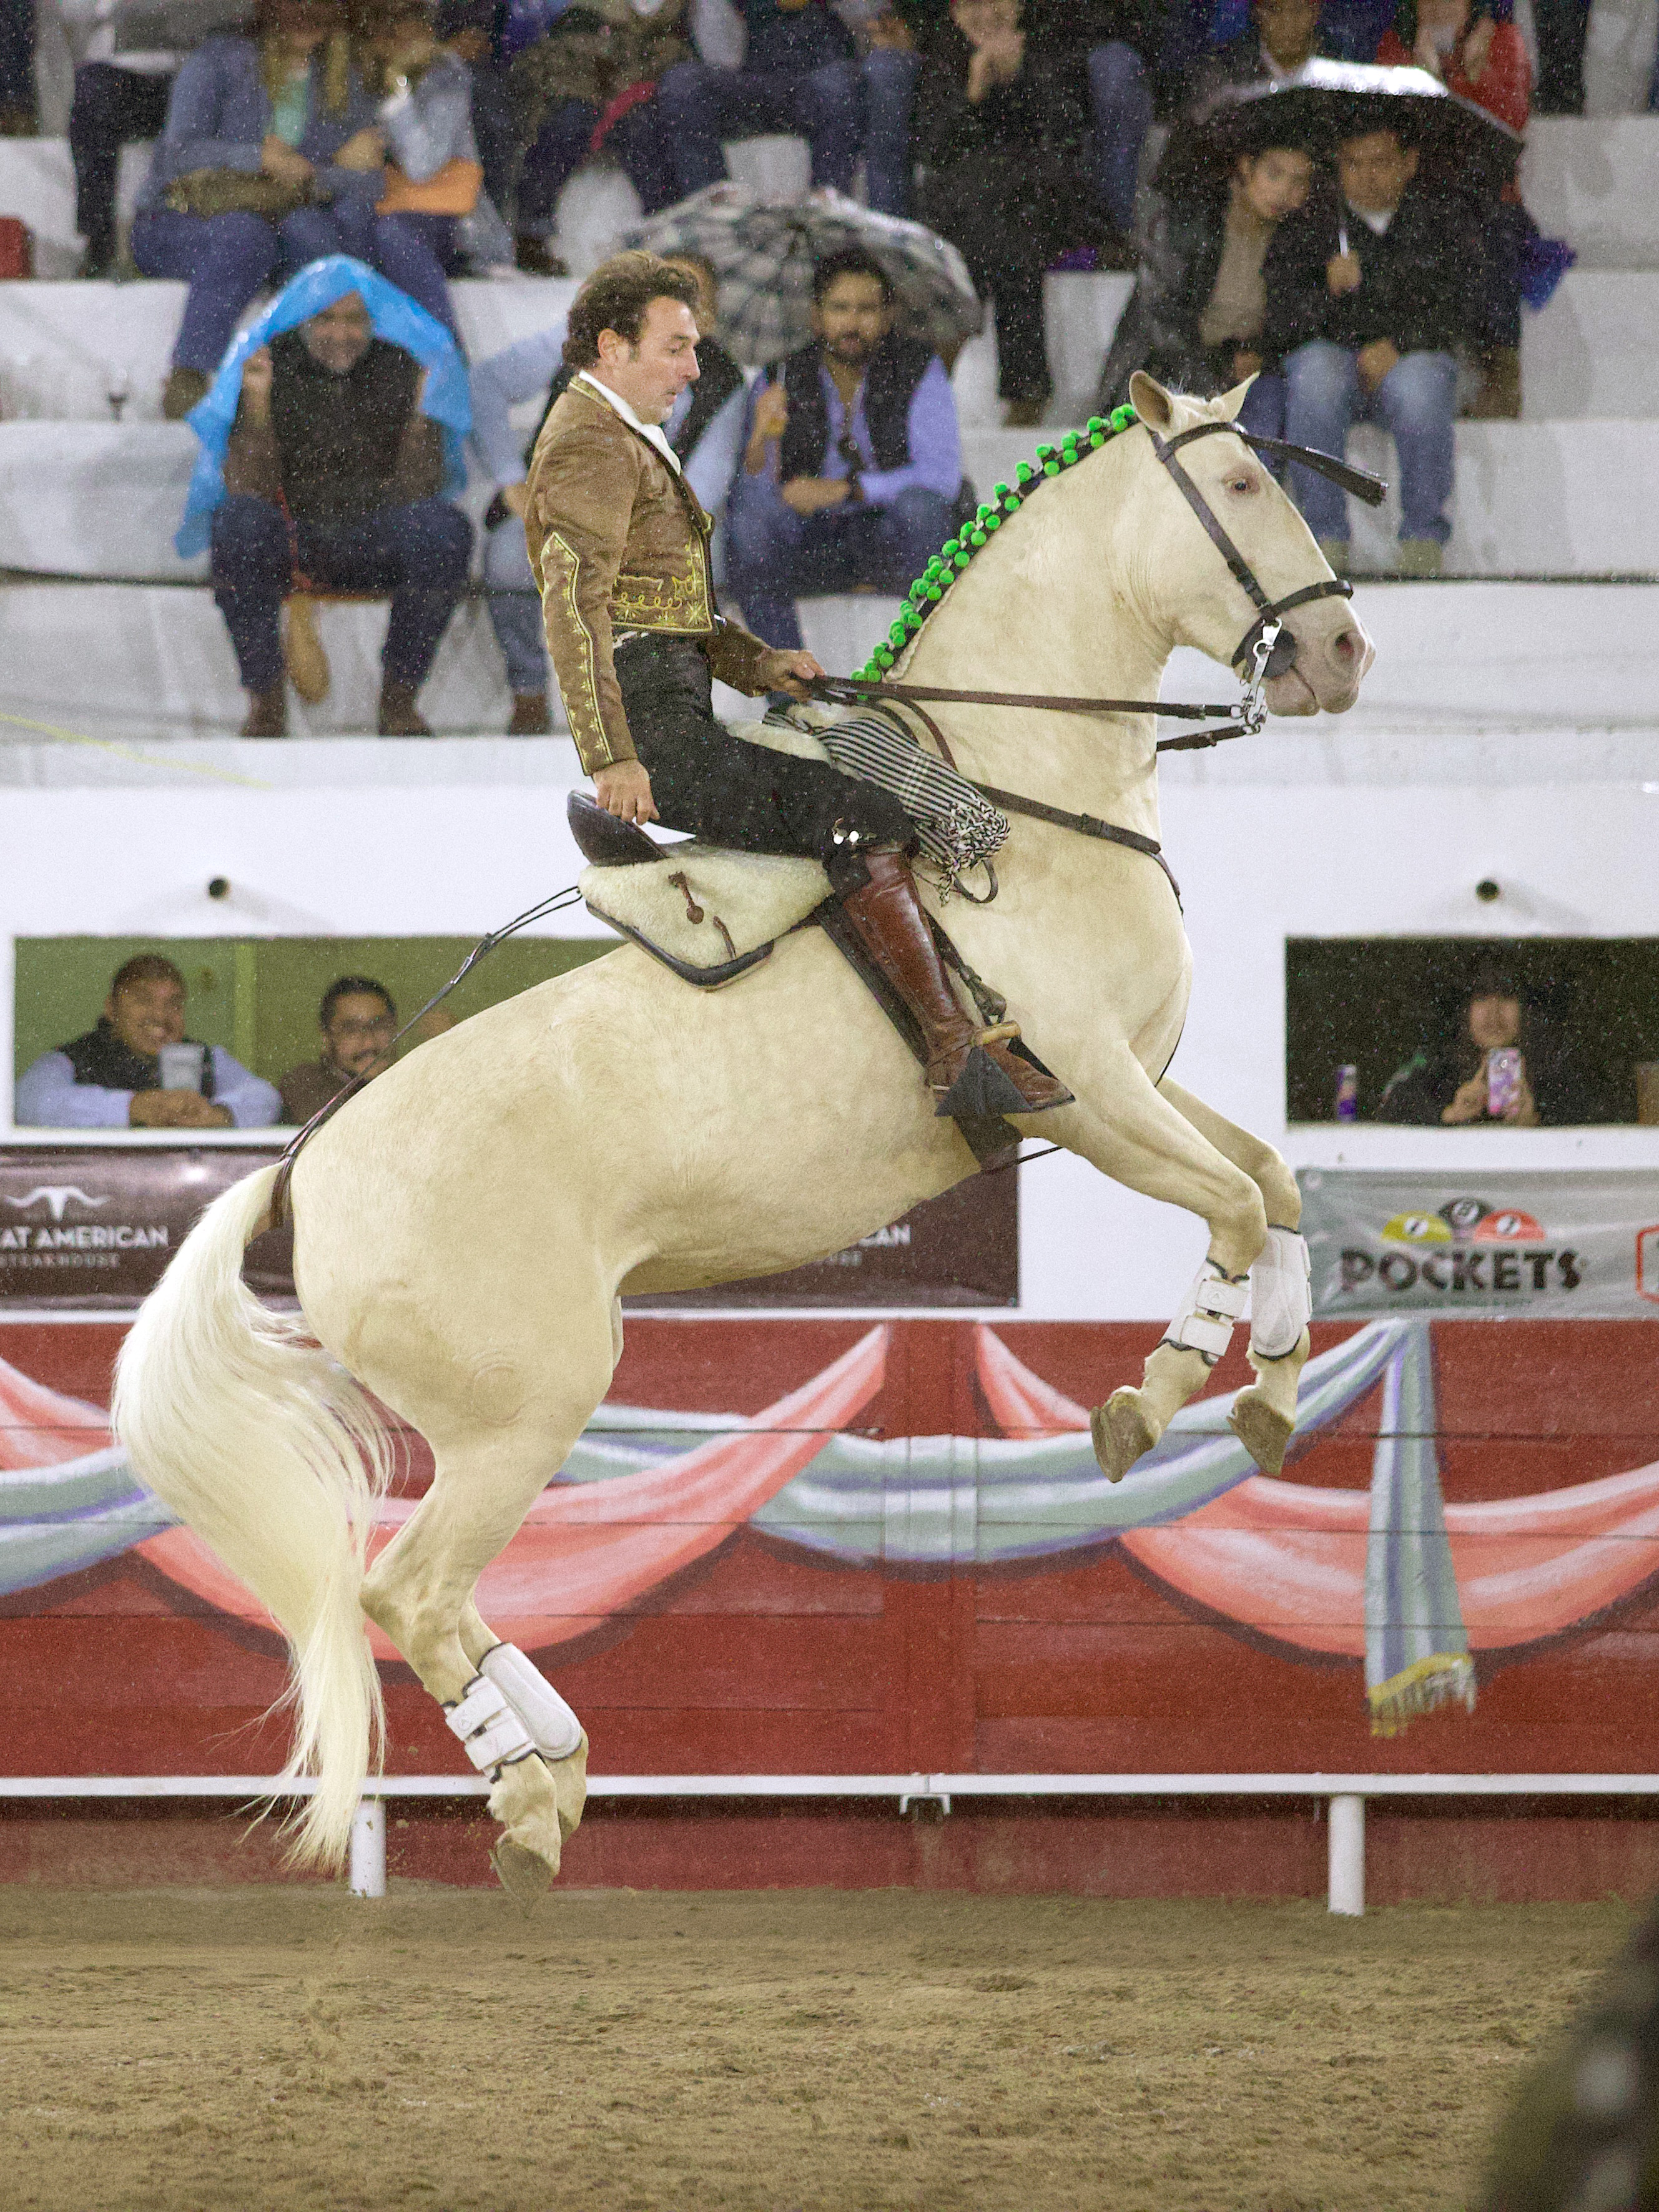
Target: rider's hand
x=624 y=789
x=783 y=669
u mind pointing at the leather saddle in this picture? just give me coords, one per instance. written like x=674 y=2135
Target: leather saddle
x=604 y=841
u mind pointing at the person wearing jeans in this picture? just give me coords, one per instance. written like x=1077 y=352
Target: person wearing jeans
x=1367 y=296
x=798 y=75
x=331 y=479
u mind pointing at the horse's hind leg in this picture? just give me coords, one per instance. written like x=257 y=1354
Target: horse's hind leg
x=491 y=1468
x=1136 y=1135
x=1264 y=1416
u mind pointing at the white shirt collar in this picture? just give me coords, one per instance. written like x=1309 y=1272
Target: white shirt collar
x=652 y=431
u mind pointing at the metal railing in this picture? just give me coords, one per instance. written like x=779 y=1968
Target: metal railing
x=1343 y=1795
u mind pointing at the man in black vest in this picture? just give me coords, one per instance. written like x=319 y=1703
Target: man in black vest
x=854 y=458
x=332 y=476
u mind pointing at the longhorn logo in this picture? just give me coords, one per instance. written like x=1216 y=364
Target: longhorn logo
x=58 y=1196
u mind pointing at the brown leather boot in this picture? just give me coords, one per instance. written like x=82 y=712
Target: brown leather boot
x=267 y=712
x=399 y=715
x=894 y=929
x=530 y=716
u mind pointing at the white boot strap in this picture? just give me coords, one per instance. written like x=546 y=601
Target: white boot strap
x=1281 y=1294
x=1205 y=1322
x=490 y=1730
x=554 y=1729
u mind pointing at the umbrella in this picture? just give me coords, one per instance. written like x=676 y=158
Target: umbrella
x=763 y=254
x=1328 y=100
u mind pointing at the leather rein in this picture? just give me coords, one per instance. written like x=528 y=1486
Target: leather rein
x=1255 y=657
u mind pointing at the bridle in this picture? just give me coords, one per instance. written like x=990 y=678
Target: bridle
x=1257 y=655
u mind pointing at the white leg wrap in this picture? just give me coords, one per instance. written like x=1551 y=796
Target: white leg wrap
x=554 y=1729
x=1205 y=1322
x=491 y=1731
x=1281 y=1294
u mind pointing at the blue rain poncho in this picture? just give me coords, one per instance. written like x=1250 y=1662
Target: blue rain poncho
x=395 y=317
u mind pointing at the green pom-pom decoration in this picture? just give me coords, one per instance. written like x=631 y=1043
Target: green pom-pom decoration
x=1024 y=474
x=985 y=513
x=1045 y=453
x=1096 y=425
x=1124 y=418
x=976 y=537
x=1002 y=492
x=952 y=547
x=962 y=559
x=935 y=592
x=1051 y=468
x=1096 y=437
x=993 y=522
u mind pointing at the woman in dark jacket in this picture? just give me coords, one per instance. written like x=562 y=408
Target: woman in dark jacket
x=1447 y=1082
x=998 y=136
x=1195 y=318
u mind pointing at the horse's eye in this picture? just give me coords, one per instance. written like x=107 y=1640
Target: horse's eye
x=1242 y=483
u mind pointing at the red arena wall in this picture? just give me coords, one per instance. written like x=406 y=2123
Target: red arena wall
x=939 y=1592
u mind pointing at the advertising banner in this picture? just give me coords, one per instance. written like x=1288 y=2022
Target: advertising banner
x=93 y=1227
x=1576 y=1244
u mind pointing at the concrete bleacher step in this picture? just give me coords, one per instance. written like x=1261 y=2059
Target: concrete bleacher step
x=1594 y=350
x=1593 y=183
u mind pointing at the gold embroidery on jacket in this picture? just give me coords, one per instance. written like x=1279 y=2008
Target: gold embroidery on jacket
x=581 y=699
x=679 y=601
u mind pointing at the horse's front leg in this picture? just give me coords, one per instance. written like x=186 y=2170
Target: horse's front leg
x=1133 y=1132
x=1264 y=1416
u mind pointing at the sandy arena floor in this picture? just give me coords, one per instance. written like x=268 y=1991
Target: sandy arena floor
x=271 y=2050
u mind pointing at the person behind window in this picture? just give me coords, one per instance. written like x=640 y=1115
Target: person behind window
x=358 y=1020
x=705 y=427
x=1196 y=318
x=113 y=1077
x=853 y=459
x=1370 y=293
x=1447 y=1082
x=333 y=471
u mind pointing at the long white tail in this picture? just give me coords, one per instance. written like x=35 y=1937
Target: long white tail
x=274 y=1456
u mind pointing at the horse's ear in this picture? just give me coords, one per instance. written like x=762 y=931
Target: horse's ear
x=1151 y=401
x=1228 y=404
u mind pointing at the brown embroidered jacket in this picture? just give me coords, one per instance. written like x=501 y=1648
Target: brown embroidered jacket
x=617 y=541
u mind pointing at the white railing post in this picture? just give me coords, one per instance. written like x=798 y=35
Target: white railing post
x=1347 y=1822
x=367 y=1873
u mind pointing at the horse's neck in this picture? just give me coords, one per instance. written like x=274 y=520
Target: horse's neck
x=1049 y=617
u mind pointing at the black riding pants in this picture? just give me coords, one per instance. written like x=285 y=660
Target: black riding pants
x=723 y=789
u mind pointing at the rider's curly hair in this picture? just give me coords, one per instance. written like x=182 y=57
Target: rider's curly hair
x=617 y=297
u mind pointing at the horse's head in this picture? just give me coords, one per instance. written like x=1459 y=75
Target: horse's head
x=1189 y=574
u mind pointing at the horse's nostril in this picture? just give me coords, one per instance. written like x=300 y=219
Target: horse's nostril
x=1345 y=645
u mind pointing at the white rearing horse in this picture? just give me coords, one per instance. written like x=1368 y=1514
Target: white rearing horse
x=464 y=1228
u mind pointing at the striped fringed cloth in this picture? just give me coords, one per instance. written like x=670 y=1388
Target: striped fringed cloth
x=958 y=827
x=1417 y=1650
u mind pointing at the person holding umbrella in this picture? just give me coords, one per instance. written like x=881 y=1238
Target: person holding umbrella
x=1369 y=296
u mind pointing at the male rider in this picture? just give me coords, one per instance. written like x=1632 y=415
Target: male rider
x=619 y=541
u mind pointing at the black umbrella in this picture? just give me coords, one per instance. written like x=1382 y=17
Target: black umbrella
x=1327 y=101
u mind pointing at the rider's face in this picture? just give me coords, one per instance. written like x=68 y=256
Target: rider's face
x=651 y=371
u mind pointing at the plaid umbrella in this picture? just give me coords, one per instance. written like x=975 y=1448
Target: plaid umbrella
x=763 y=254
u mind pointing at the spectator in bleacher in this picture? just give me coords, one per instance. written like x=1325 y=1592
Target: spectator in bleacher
x=591 y=83
x=434 y=219
x=1106 y=40
x=705 y=427
x=333 y=473
x=853 y=459
x=1196 y=318
x=1280 y=38
x=469 y=29
x=273 y=155
x=799 y=73
x=1561 y=28
x=111 y=1078
x=358 y=1019
x=1368 y=299
x=120 y=95
x=998 y=133
x=16 y=68
x=1484 y=62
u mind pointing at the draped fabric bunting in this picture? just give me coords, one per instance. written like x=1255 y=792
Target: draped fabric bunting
x=1393 y=1577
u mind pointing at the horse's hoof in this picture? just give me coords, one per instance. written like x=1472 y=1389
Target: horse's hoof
x=523 y=1874
x=1120 y=1433
x=1264 y=1433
